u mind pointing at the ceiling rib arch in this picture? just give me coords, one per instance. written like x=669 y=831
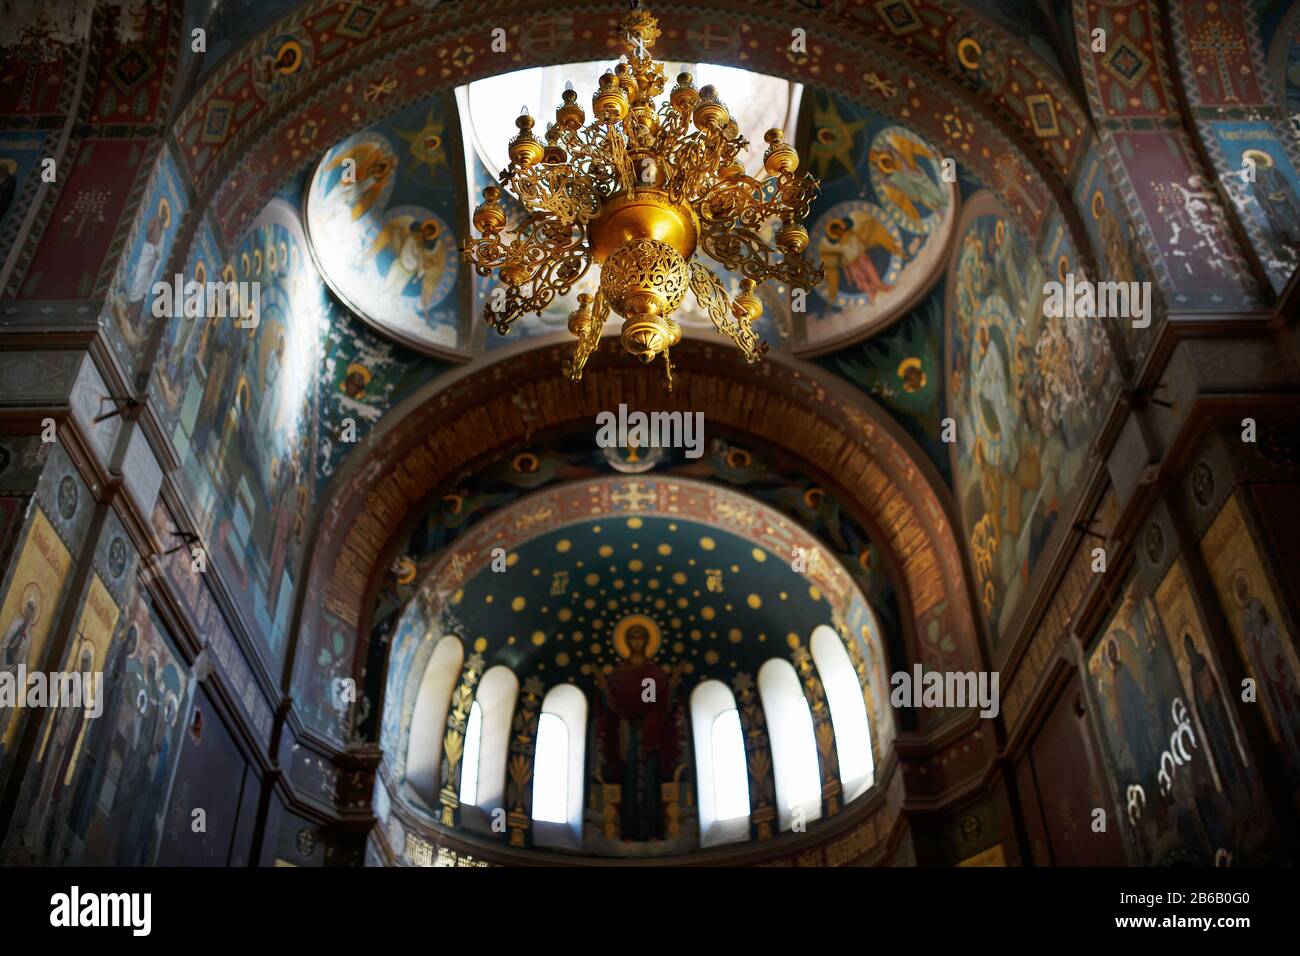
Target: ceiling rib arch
x=500 y=401
x=400 y=62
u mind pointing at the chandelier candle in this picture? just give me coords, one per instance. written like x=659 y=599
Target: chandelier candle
x=638 y=192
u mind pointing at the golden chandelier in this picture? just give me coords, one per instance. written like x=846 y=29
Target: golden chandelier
x=638 y=190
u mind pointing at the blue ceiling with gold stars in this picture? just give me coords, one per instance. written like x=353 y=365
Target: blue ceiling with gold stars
x=722 y=605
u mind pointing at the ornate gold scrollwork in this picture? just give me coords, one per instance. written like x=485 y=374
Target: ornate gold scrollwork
x=637 y=190
x=586 y=323
x=713 y=299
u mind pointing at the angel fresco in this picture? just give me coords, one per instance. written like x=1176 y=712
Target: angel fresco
x=413 y=255
x=364 y=173
x=882 y=225
x=375 y=234
x=905 y=173
x=846 y=251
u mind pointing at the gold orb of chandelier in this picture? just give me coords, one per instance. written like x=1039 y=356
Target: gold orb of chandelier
x=640 y=192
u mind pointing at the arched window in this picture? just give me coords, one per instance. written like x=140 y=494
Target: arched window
x=551 y=776
x=429 y=719
x=470 y=759
x=558 y=768
x=487 y=745
x=721 y=775
x=794 y=747
x=848 y=711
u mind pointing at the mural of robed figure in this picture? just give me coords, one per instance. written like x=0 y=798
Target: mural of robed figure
x=638 y=726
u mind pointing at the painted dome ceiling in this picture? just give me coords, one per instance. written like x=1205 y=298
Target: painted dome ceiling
x=550 y=588
x=709 y=569
x=386 y=208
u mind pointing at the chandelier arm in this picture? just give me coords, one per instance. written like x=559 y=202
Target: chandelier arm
x=725 y=202
x=744 y=251
x=588 y=339
x=557 y=277
x=713 y=298
x=528 y=251
x=616 y=146
x=554 y=273
x=557 y=191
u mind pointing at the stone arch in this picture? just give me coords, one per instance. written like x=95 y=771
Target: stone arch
x=505 y=399
x=1023 y=134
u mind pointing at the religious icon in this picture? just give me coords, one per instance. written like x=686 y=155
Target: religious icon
x=1131 y=710
x=850 y=239
x=1112 y=240
x=1277 y=199
x=912 y=374
x=17 y=644
x=638 y=727
x=355 y=382
x=413 y=255
x=1268 y=665
x=905 y=174
x=57 y=759
x=67 y=498
x=1211 y=711
x=129 y=305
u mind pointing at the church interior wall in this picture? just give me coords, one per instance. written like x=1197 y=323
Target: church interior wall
x=177 y=533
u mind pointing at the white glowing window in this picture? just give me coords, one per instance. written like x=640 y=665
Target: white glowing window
x=559 y=767
x=488 y=107
x=720 y=773
x=470 y=758
x=495 y=703
x=551 y=771
x=730 y=780
x=848 y=711
x=794 y=746
x=429 y=718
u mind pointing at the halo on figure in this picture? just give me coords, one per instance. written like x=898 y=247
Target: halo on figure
x=165 y=212
x=9 y=165
x=1241 y=587
x=1098 y=204
x=1259 y=158
x=653 y=638
x=912 y=364
x=361 y=372
x=32 y=594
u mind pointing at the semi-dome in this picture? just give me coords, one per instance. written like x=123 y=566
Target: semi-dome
x=664 y=637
